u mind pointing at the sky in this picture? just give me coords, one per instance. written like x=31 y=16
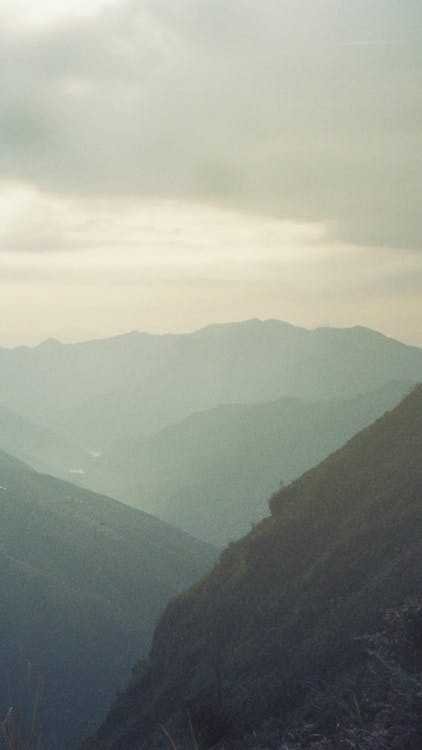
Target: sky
x=165 y=164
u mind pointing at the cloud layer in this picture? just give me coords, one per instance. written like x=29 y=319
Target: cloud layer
x=307 y=111
x=80 y=267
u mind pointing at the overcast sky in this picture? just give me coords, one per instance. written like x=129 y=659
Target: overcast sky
x=169 y=163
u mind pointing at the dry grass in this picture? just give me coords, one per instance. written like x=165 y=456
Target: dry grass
x=18 y=729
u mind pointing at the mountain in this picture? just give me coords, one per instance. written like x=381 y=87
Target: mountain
x=212 y=473
x=99 y=391
x=82 y=581
x=43 y=449
x=280 y=620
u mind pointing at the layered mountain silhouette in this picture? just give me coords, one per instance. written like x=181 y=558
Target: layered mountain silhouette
x=99 y=391
x=212 y=473
x=199 y=429
x=82 y=580
x=245 y=651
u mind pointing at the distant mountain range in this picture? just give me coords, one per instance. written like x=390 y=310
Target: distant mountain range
x=82 y=581
x=212 y=473
x=97 y=392
x=283 y=618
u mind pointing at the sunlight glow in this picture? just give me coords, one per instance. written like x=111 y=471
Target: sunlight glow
x=175 y=265
x=49 y=12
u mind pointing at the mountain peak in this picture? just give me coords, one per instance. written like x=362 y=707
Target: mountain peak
x=49 y=343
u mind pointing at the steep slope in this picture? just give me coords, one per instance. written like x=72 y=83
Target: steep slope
x=246 y=650
x=212 y=474
x=99 y=391
x=82 y=580
x=43 y=449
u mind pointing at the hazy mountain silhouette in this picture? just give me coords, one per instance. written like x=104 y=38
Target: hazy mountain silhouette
x=45 y=450
x=212 y=473
x=82 y=580
x=277 y=621
x=95 y=392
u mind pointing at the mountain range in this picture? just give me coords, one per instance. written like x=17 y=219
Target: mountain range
x=97 y=392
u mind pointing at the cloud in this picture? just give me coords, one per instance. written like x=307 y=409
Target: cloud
x=264 y=106
x=127 y=240
x=374 y=43
x=122 y=241
x=27 y=14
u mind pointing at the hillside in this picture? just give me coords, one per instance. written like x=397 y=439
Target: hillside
x=99 y=391
x=248 y=650
x=43 y=449
x=212 y=473
x=82 y=581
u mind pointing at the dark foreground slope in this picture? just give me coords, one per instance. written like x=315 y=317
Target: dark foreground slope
x=82 y=580
x=212 y=474
x=277 y=620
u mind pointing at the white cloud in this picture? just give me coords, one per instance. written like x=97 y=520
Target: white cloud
x=109 y=265
x=44 y=13
x=264 y=106
x=127 y=240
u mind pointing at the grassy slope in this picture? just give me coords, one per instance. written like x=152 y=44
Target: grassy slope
x=276 y=619
x=82 y=580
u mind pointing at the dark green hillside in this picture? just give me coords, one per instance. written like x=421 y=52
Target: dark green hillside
x=212 y=474
x=248 y=650
x=82 y=580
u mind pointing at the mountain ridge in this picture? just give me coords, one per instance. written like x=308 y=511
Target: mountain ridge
x=135 y=333
x=246 y=649
x=212 y=473
x=209 y=327
x=118 y=387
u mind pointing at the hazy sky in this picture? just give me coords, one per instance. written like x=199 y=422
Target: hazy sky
x=169 y=163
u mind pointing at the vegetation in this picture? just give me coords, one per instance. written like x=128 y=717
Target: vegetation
x=252 y=647
x=378 y=705
x=19 y=727
x=82 y=580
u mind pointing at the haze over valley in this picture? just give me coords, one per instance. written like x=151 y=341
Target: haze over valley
x=200 y=428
